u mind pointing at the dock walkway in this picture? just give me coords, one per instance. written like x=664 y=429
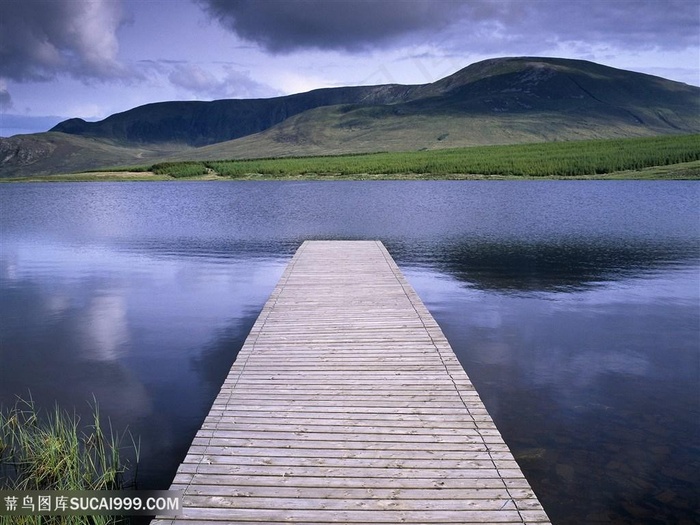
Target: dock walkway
x=346 y=404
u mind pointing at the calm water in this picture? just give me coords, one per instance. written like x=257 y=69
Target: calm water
x=573 y=306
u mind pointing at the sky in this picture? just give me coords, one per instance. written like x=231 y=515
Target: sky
x=92 y=58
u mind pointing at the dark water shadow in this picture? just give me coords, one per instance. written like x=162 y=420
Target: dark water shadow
x=542 y=267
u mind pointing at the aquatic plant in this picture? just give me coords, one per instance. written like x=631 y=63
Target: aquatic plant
x=55 y=451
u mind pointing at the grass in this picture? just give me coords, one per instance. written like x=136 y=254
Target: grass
x=57 y=452
x=550 y=159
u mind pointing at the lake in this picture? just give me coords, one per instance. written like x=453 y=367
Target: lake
x=574 y=306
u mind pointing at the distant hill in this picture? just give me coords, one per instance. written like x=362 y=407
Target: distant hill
x=497 y=101
x=54 y=153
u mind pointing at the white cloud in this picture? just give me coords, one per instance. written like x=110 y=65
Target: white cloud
x=40 y=39
x=193 y=78
x=5 y=97
x=229 y=83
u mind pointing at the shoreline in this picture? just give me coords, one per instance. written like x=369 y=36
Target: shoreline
x=151 y=177
x=682 y=171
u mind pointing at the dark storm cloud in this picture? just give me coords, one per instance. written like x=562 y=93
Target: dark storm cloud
x=286 y=25
x=42 y=38
x=478 y=25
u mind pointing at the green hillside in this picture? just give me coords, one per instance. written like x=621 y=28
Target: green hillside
x=560 y=159
x=498 y=101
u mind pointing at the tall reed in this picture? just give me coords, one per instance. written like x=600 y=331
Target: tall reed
x=57 y=452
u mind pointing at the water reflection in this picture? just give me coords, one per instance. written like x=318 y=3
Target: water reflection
x=45 y=336
x=605 y=379
x=105 y=328
x=542 y=266
x=574 y=307
x=150 y=338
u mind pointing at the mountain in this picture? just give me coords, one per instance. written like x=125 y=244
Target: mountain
x=203 y=123
x=497 y=101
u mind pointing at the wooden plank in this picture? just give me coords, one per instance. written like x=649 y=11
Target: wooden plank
x=473 y=444
x=272 y=452
x=421 y=494
x=346 y=404
x=506 y=514
x=317 y=482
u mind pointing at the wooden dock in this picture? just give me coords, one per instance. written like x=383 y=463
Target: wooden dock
x=346 y=404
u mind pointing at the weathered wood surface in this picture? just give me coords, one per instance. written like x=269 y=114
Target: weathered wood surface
x=346 y=404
